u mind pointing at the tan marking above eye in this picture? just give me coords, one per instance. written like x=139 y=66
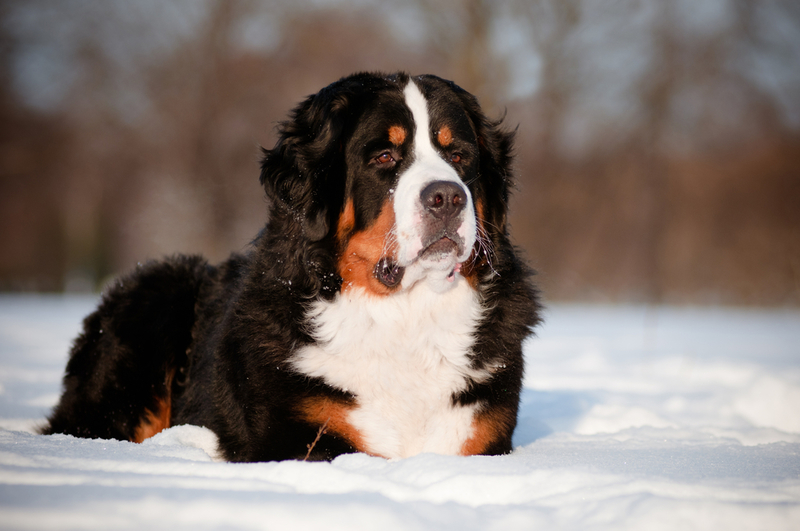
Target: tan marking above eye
x=444 y=136
x=397 y=135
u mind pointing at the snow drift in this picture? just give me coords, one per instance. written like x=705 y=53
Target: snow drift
x=631 y=418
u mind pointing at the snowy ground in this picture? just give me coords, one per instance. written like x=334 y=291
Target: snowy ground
x=632 y=418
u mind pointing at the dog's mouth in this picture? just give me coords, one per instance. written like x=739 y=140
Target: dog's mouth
x=440 y=250
x=444 y=251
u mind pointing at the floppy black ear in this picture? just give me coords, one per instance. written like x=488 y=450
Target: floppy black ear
x=299 y=173
x=496 y=153
x=496 y=145
x=304 y=173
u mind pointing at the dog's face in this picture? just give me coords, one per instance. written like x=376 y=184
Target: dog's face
x=405 y=175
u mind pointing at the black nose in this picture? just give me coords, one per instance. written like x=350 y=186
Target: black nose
x=443 y=199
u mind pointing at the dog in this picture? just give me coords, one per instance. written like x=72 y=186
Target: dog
x=381 y=310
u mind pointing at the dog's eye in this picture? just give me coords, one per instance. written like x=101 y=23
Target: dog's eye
x=455 y=158
x=384 y=158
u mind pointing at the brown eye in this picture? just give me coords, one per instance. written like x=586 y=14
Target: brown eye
x=384 y=158
x=455 y=158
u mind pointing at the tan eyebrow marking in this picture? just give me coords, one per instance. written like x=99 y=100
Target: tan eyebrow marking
x=444 y=136
x=397 y=135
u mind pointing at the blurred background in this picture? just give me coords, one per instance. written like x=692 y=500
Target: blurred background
x=658 y=147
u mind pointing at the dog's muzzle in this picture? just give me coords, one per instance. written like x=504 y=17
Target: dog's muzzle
x=442 y=205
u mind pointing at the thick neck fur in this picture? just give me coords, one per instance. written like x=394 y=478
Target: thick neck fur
x=300 y=264
x=403 y=358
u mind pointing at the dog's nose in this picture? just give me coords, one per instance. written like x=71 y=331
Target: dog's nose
x=443 y=199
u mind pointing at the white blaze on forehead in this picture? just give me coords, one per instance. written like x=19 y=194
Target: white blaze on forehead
x=423 y=148
x=427 y=166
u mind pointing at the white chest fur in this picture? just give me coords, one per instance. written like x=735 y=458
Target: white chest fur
x=403 y=357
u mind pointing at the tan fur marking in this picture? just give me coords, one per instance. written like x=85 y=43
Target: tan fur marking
x=364 y=249
x=444 y=136
x=347 y=222
x=156 y=421
x=397 y=135
x=487 y=428
x=331 y=413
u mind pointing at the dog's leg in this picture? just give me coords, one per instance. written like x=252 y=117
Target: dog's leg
x=120 y=377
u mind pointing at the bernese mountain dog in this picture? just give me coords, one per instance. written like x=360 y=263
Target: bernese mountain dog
x=381 y=310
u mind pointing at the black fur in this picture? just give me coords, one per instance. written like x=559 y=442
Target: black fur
x=214 y=340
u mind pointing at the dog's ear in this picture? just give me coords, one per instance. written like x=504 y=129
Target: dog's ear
x=296 y=173
x=496 y=145
x=496 y=180
x=305 y=172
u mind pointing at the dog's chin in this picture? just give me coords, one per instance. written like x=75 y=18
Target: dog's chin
x=443 y=250
x=437 y=264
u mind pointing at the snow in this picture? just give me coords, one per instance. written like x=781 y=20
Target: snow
x=632 y=418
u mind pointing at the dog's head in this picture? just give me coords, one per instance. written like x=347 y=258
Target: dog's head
x=405 y=178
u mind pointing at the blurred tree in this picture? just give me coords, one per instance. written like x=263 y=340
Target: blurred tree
x=31 y=244
x=656 y=146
